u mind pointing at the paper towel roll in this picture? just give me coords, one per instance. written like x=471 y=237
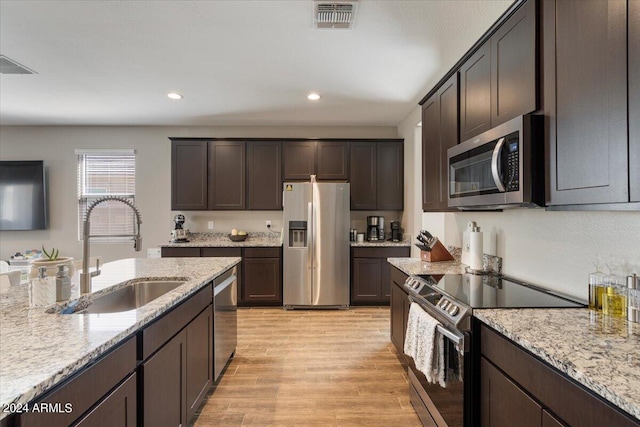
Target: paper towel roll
x=475 y=250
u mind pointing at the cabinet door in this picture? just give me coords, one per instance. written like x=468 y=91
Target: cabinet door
x=588 y=124
x=189 y=176
x=385 y=281
x=366 y=280
x=549 y=420
x=262 y=281
x=298 y=160
x=504 y=404
x=264 y=175
x=449 y=127
x=634 y=100
x=397 y=317
x=363 y=175
x=199 y=357
x=179 y=252
x=514 y=65
x=227 y=175
x=332 y=160
x=116 y=409
x=431 y=154
x=164 y=384
x=475 y=93
x=390 y=176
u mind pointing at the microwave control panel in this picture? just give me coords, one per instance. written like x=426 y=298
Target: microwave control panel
x=513 y=165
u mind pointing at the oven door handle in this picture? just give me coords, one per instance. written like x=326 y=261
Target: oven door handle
x=458 y=340
x=495 y=159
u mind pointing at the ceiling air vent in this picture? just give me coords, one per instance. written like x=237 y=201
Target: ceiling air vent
x=7 y=66
x=336 y=14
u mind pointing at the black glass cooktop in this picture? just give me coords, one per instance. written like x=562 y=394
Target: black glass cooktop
x=490 y=291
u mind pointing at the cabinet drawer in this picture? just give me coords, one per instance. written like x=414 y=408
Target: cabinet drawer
x=85 y=389
x=571 y=402
x=155 y=335
x=382 y=252
x=262 y=252
x=180 y=252
x=221 y=252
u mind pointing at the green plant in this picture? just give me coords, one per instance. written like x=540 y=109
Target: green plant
x=50 y=256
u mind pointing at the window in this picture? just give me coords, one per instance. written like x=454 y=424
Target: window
x=107 y=173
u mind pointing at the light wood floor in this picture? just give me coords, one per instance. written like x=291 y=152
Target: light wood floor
x=311 y=368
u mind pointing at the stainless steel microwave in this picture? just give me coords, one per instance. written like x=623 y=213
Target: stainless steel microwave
x=500 y=168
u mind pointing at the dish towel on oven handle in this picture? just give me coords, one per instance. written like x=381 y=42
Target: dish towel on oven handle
x=425 y=345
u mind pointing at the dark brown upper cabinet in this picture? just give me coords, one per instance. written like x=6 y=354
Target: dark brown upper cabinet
x=513 y=66
x=475 y=93
x=332 y=160
x=586 y=101
x=227 y=175
x=363 y=175
x=264 y=175
x=377 y=175
x=390 y=176
x=499 y=81
x=439 y=133
x=328 y=160
x=634 y=100
x=189 y=179
x=299 y=160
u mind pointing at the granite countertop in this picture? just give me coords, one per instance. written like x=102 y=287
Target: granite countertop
x=384 y=243
x=221 y=240
x=599 y=352
x=39 y=350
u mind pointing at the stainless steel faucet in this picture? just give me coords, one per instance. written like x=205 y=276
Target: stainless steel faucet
x=86 y=275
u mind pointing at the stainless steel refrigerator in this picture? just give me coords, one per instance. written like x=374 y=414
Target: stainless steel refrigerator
x=316 y=244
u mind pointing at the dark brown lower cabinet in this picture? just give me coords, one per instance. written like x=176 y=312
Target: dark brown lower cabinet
x=119 y=408
x=371 y=274
x=262 y=276
x=519 y=389
x=399 y=310
x=504 y=404
x=259 y=273
x=94 y=389
x=198 y=360
x=164 y=385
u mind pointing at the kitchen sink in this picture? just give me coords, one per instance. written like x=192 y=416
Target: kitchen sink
x=132 y=296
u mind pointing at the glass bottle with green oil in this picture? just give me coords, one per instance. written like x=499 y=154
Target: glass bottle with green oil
x=596 y=286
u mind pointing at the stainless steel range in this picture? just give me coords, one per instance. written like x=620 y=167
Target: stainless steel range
x=451 y=299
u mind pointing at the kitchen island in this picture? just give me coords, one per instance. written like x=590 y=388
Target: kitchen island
x=39 y=350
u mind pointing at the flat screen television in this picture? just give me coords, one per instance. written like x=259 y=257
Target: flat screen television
x=23 y=200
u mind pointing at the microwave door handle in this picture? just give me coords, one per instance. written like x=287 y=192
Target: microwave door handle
x=495 y=159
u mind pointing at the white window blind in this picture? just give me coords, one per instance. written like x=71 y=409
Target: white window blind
x=106 y=173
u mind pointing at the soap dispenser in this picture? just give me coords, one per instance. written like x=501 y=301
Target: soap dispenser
x=63 y=284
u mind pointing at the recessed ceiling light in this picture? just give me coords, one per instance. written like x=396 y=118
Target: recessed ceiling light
x=313 y=97
x=174 y=95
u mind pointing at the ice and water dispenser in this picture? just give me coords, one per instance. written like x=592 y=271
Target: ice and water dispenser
x=297 y=234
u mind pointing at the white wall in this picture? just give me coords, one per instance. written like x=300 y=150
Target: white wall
x=56 y=144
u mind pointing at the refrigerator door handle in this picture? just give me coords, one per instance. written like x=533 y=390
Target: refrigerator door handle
x=309 y=235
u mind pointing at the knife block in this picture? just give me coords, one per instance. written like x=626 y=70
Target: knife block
x=438 y=253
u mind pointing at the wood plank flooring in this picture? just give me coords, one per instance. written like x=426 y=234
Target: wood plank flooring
x=311 y=368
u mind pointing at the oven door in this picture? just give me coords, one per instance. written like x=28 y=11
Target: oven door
x=444 y=406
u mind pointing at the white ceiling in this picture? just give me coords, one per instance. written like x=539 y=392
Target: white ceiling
x=240 y=62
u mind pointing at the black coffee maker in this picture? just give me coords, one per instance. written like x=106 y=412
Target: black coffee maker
x=373 y=230
x=396 y=234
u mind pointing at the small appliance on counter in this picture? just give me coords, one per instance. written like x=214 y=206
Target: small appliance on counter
x=381 y=235
x=373 y=228
x=396 y=234
x=179 y=234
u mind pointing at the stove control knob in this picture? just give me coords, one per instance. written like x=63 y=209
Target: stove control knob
x=453 y=310
x=445 y=304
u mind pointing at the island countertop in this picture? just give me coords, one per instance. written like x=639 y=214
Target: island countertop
x=600 y=352
x=39 y=350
